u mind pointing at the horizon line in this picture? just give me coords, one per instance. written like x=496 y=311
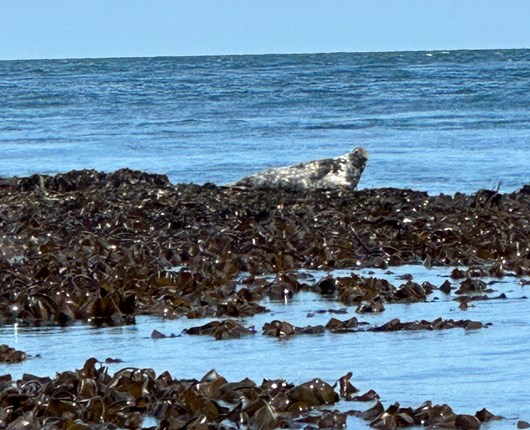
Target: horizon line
x=439 y=50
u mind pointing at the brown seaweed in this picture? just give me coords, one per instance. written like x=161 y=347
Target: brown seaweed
x=282 y=329
x=105 y=247
x=226 y=329
x=92 y=398
x=437 y=324
x=11 y=355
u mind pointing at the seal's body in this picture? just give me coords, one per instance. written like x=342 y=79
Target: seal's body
x=343 y=171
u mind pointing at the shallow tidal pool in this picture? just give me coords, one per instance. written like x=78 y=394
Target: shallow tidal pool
x=467 y=369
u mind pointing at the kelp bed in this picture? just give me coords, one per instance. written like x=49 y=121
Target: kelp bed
x=104 y=248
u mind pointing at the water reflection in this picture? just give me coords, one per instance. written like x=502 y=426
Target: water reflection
x=466 y=369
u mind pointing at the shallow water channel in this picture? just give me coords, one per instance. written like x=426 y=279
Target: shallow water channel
x=467 y=369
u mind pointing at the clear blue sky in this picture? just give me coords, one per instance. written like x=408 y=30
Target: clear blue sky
x=123 y=28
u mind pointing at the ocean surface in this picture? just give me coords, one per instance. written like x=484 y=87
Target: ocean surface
x=443 y=122
x=436 y=121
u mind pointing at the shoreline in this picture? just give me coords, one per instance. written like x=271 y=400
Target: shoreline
x=118 y=237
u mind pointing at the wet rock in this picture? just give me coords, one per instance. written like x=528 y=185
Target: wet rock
x=282 y=288
x=110 y=360
x=234 y=391
x=467 y=422
x=434 y=415
x=412 y=292
x=471 y=286
x=394 y=417
x=372 y=413
x=473 y=325
x=227 y=329
x=373 y=306
x=264 y=417
x=356 y=289
x=338 y=311
x=318 y=329
x=155 y=334
x=366 y=397
x=458 y=274
x=240 y=305
x=328 y=420
x=437 y=324
x=337 y=326
x=284 y=329
x=326 y=285
x=279 y=329
x=446 y=287
x=485 y=416
x=273 y=387
x=314 y=393
x=11 y=355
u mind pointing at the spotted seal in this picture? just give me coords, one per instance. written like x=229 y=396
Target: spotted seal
x=343 y=171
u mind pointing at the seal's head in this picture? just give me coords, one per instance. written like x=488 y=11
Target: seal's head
x=356 y=163
x=358 y=157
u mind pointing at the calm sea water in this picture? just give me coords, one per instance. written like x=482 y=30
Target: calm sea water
x=434 y=121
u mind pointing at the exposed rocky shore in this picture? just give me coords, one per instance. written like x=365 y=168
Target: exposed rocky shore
x=104 y=248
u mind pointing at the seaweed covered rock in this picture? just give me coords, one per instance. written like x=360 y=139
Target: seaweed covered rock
x=105 y=247
x=11 y=355
x=437 y=324
x=227 y=329
x=91 y=398
x=283 y=329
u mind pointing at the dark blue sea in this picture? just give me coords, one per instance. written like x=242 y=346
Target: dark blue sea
x=435 y=121
x=443 y=122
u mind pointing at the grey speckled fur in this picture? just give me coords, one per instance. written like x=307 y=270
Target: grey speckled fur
x=343 y=171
